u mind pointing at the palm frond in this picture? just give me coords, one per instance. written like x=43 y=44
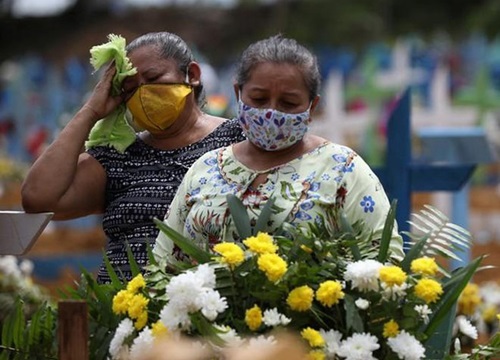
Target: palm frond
x=445 y=238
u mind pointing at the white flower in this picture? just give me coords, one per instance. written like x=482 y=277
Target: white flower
x=424 y=311
x=465 y=327
x=273 y=318
x=363 y=274
x=173 y=317
x=332 y=340
x=362 y=303
x=394 y=292
x=262 y=341
x=456 y=346
x=141 y=343
x=183 y=290
x=359 y=347
x=406 y=346
x=124 y=330
x=229 y=336
x=211 y=304
x=26 y=267
x=206 y=274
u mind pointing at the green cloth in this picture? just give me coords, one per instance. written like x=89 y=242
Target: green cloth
x=114 y=130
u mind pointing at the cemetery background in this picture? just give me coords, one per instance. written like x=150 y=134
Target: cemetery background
x=455 y=83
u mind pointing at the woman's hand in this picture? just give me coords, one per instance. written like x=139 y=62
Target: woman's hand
x=101 y=103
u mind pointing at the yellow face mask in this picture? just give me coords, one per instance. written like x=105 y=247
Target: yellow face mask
x=155 y=107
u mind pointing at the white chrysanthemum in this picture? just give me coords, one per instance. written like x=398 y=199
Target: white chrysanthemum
x=211 y=304
x=359 y=347
x=406 y=346
x=174 y=318
x=125 y=329
x=362 y=304
x=183 y=290
x=465 y=327
x=424 y=311
x=273 y=318
x=141 y=343
x=261 y=342
x=26 y=267
x=332 y=340
x=457 y=347
x=363 y=274
x=206 y=273
x=394 y=292
x=9 y=268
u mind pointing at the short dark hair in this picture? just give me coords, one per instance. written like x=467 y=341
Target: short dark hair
x=278 y=49
x=170 y=46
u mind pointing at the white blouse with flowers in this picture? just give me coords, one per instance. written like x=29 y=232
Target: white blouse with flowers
x=305 y=189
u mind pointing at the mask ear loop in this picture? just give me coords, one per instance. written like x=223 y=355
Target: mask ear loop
x=186 y=80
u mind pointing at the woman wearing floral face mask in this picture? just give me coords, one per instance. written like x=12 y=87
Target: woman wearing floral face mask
x=131 y=188
x=277 y=86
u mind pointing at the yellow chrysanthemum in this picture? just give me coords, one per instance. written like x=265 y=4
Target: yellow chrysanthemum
x=300 y=298
x=392 y=275
x=274 y=266
x=141 y=320
x=253 y=318
x=428 y=290
x=136 y=284
x=424 y=266
x=137 y=304
x=316 y=355
x=489 y=314
x=313 y=337
x=329 y=293
x=121 y=302
x=231 y=253
x=391 y=329
x=158 y=329
x=261 y=244
x=469 y=299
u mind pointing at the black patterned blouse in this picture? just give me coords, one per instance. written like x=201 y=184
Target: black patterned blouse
x=141 y=185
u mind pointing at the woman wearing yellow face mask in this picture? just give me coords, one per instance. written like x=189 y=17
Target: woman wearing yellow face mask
x=133 y=187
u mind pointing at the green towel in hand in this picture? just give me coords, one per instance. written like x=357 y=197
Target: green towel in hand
x=113 y=130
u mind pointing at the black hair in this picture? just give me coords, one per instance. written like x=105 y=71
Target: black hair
x=278 y=49
x=170 y=46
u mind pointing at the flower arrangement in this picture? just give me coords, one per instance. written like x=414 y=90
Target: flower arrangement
x=346 y=300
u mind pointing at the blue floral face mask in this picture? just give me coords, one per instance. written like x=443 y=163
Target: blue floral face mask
x=271 y=129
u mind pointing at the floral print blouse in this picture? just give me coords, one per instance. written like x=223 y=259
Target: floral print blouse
x=305 y=189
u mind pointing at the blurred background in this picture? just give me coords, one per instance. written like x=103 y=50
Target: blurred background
x=370 y=51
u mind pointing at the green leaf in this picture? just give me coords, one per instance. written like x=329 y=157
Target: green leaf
x=240 y=216
x=451 y=295
x=115 y=281
x=414 y=253
x=353 y=319
x=265 y=215
x=186 y=245
x=387 y=233
x=134 y=267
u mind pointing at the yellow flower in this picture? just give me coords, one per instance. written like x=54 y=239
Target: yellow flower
x=391 y=329
x=232 y=254
x=120 y=302
x=428 y=289
x=261 y=244
x=159 y=329
x=141 y=320
x=424 y=266
x=316 y=355
x=300 y=298
x=329 y=293
x=137 y=304
x=489 y=314
x=392 y=275
x=313 y=337
x=253 y=318
x=136 y=284
x=274 y=266
x=469 y=299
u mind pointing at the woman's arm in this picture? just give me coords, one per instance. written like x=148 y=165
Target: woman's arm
x=64 y=179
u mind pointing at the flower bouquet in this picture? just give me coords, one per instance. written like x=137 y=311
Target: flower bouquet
x=345 y=297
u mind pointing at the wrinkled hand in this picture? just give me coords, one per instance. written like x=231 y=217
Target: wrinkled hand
x=101 y=102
